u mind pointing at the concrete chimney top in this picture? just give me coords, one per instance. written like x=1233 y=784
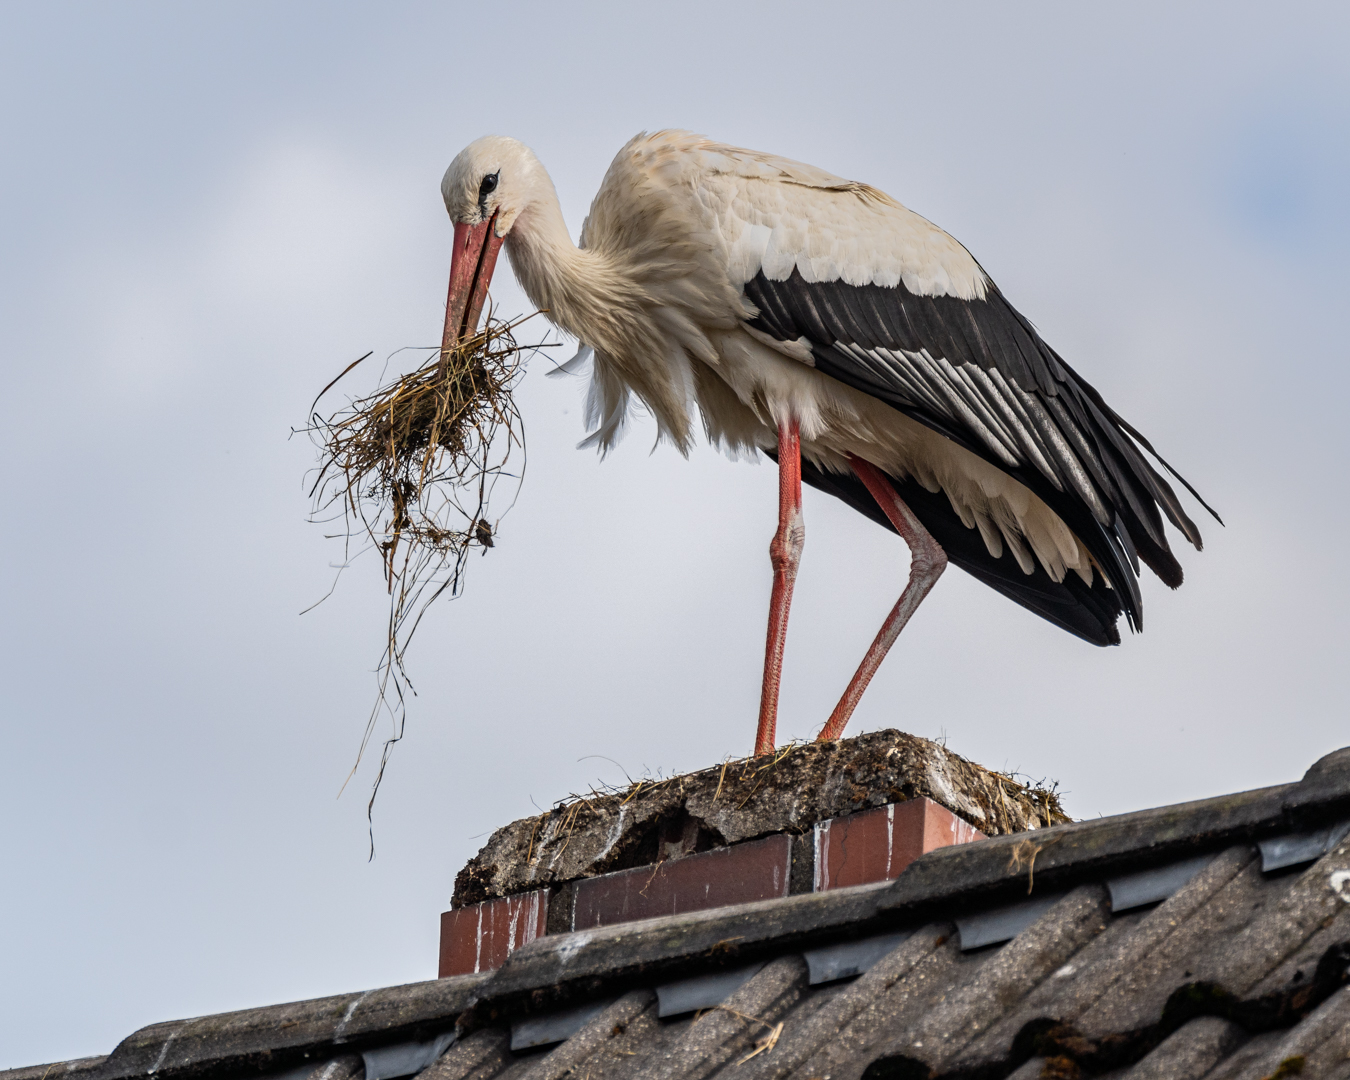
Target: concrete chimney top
x=790 y=792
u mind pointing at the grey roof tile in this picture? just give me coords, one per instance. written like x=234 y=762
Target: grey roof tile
x=346 y=1067
x=1056 y=1001
x=893 y=1005
x=821 y=1030
x=1237 y=1063
x=1173 y=941
x=281 y=1037
x=1069 y=991
x=1308 y=964
x=729 y=1032
x=480 y=1056
x=611 y=1045
x=997 y=985
x=1281 y=922
x=80 y=1068
x=600 y=1038
x=1322 y=1041
x=1324 y=792
x=650 y=1038
x=1137 y=981
x=1190 y=1052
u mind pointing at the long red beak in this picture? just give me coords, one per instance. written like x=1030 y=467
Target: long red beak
x=471 y=265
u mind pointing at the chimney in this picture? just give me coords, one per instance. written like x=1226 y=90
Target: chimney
x=808 y=818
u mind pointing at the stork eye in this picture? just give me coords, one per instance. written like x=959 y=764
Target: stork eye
x=489 y=184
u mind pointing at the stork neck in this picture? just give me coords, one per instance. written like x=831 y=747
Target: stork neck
x=557 y=276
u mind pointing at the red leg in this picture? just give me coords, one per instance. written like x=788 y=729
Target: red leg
x=785 y=552
x=927 y=561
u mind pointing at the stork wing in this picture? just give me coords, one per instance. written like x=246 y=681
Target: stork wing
x=894 y=306
x=1087 y=610
x=977 y=371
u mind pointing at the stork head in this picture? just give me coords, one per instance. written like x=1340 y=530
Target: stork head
x=488 y=186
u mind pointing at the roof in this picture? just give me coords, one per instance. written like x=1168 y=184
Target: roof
x=1208 y=939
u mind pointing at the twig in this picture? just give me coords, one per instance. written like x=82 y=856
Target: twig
x=412 y=468
x=1025 y=850
x=764 y=1043
x=721 y=778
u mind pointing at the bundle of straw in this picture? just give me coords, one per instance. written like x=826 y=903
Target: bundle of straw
x=410 y=469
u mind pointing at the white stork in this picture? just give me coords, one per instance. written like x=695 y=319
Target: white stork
x=818 y=320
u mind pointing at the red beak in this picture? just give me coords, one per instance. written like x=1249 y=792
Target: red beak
x=471 y=265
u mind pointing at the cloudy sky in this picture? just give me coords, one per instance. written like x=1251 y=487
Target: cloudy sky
x=208 y=210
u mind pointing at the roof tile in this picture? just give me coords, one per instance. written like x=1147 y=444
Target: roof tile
x=998 y=984
x=1190 y=1051
x=865 y=1001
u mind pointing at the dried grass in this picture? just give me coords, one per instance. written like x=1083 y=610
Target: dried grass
x=735 y=773
x=409 y=471
x=1043 y=794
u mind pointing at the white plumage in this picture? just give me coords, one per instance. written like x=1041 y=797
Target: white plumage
x=760 y=294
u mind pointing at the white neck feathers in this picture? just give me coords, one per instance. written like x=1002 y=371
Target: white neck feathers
x=558 y=277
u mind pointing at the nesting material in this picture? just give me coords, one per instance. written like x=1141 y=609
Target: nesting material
x=411 y=469
x=786 y=792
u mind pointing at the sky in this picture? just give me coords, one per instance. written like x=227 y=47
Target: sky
x=208 y=210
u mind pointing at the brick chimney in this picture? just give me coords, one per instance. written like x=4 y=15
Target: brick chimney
x=810 y=818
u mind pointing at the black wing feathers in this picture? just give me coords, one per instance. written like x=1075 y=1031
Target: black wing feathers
x=1088 y=612
x=979 y=373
